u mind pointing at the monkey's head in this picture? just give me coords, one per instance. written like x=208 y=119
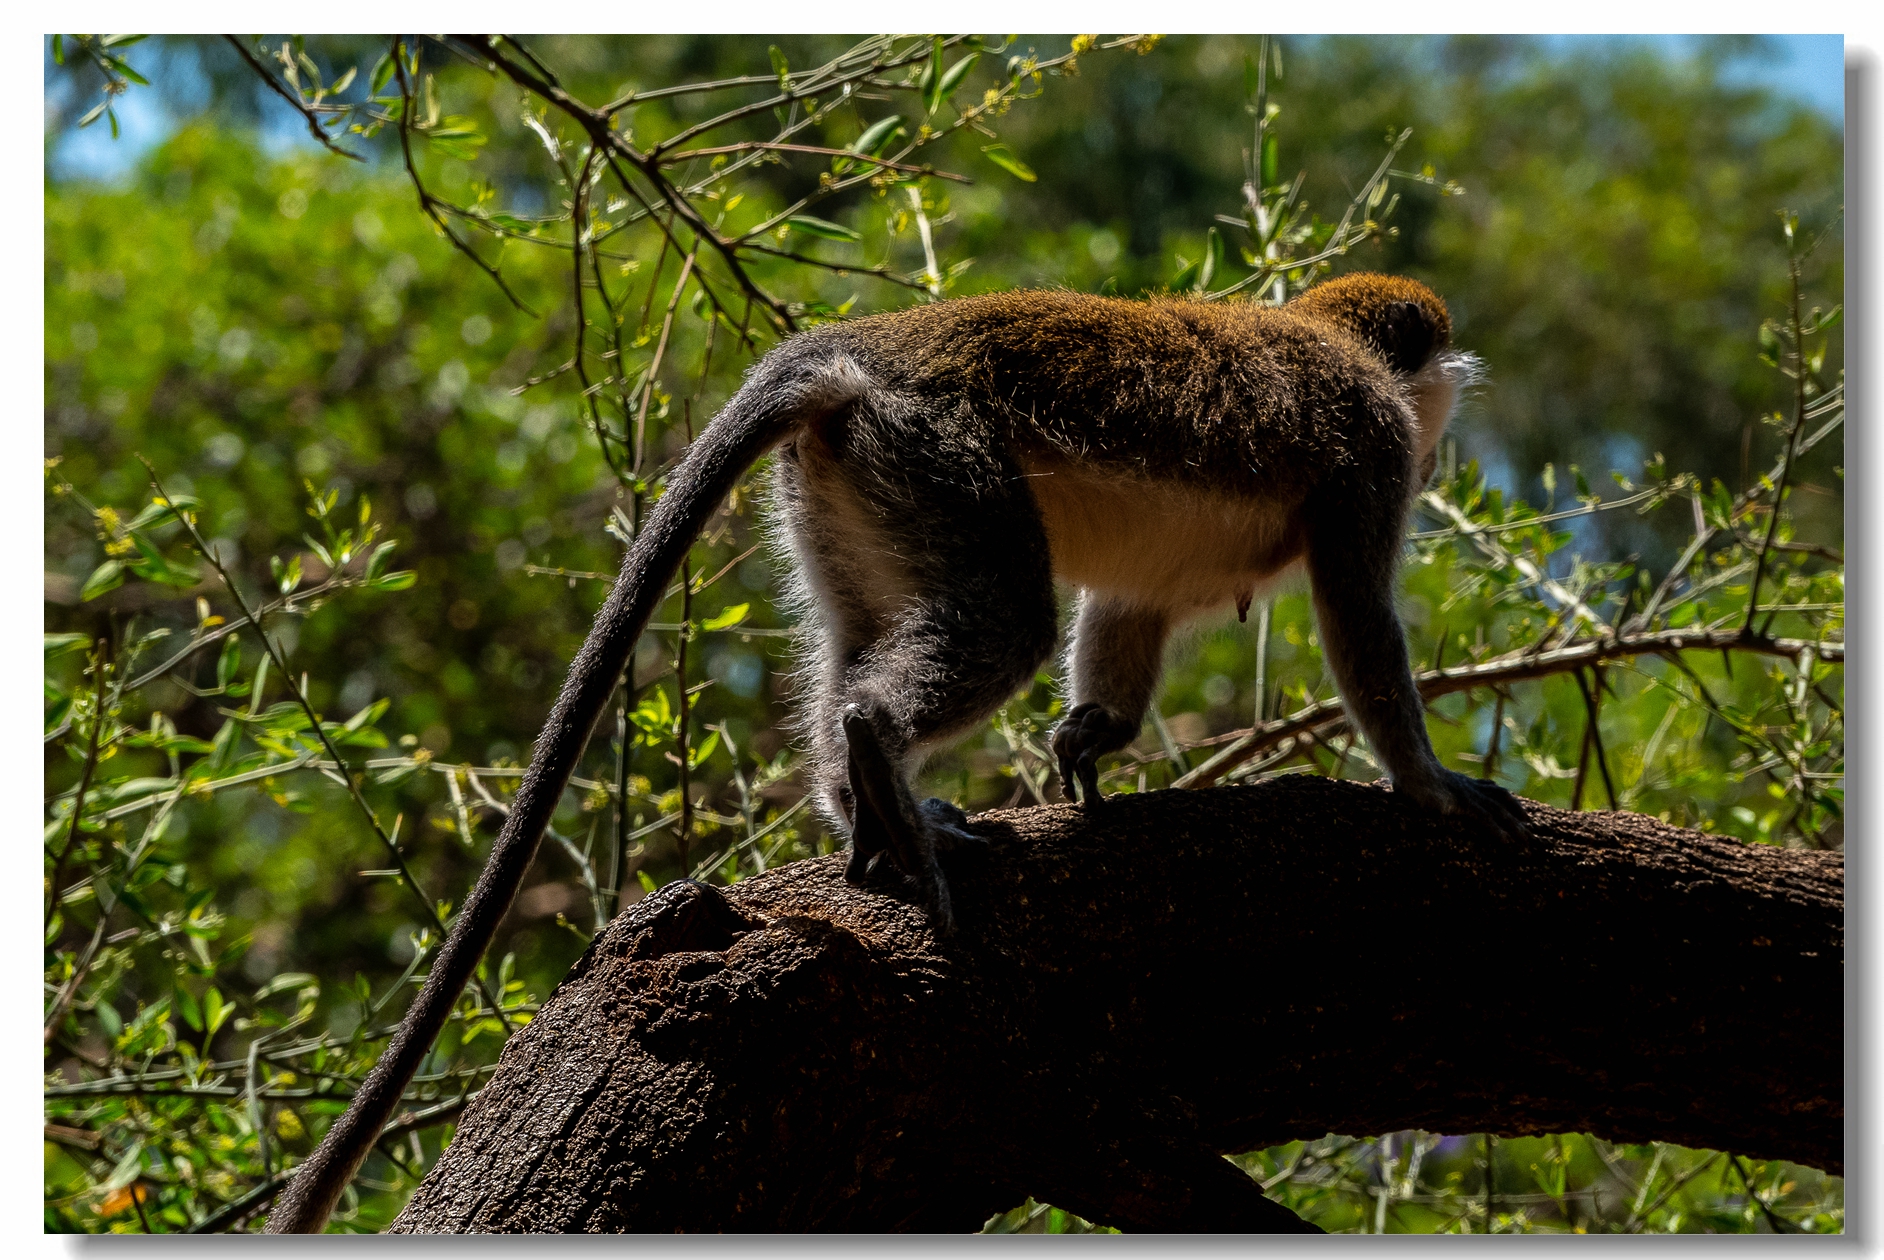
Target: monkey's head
x=1403 y=320
x=1406 y=324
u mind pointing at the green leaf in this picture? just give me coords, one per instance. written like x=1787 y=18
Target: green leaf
x=215 y=1011
x=58 y=50
x=727 y=617
x=287 y=576
x=382 y=74
x=109 y=1019
x=956 y=73
x=1272 y=158
x=158 y=511
x=60 y=644
x=121 y=41
x=287 y=980
x=510 y=222
x=91 y=115
x=781 y=67
x=229 y=661
x=459 y=138
x=188 y=1007
x=697 y=756
x=369 y=715
x=1186 y=277
x=106 y=577
x=377 y=561
x=224 y=746
x=876 y=136
x=646 y=880
x=1213 y=255
x=813 y=226
x=154 y=566
x=397 y=580
x=1004 y=158
x=341 y=84
x=932 y=77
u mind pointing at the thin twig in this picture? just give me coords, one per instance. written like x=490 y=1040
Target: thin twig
x=777 y=146
x=344 y=772
x=428 y=203
x=294 y=101
x=99 y=716
x=1792 y=439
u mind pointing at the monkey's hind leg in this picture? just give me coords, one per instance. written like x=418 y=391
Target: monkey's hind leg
x=944 y=668
x=1113 y=663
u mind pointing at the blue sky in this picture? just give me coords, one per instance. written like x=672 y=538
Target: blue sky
x=1810 y=68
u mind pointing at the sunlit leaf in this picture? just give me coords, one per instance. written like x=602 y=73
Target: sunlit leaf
x=106 y=577
x=813 y=226
x=1004 y=158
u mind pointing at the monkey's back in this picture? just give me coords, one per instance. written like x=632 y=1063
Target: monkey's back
x=1241 y=397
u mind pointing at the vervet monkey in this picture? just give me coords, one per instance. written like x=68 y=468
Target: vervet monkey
x=938 y=469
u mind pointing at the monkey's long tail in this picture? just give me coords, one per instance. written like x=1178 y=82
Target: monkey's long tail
x=787 y=390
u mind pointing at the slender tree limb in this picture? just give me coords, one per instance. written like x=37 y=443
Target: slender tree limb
x=428 y=203
x=1243 y=746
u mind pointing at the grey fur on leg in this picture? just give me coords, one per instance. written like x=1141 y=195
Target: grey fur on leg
x=931 y=601
x=1114 y=661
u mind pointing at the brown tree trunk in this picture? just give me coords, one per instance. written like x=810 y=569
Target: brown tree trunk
x=1133 y=993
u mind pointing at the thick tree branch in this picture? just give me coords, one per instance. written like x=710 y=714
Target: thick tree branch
x=1130 y=994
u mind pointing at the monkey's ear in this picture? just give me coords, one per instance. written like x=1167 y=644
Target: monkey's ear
x=1406 y=336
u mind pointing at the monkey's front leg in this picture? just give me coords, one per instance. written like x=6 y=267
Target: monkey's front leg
x=1351 y=561
x=1114 y=660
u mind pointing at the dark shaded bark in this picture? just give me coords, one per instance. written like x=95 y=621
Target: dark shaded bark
x=1183 y=975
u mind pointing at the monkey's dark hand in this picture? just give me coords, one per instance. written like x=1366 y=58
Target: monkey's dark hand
x=1481 y=800
x=1081 y=738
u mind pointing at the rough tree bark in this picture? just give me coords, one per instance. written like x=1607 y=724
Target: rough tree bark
x=1133 y=994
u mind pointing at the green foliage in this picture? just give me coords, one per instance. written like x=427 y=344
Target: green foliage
x=325 y=385
x=1420 y=1183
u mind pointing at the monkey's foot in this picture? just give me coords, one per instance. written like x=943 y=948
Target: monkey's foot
x=881 y=827
x=948 y=827
x=1481 y=800
x=1081 y=738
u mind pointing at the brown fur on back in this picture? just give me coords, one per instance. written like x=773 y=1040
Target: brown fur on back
x=1250 y=399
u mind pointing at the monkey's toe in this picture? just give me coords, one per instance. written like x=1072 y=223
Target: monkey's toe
x=861 y=864
x=1083 y=736
x=1486 y=803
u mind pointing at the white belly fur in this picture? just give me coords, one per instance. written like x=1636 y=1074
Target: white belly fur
x=1158 y=544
